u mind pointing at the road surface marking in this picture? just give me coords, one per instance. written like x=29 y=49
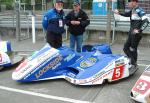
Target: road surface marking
x=43 y=95
x=143 y=65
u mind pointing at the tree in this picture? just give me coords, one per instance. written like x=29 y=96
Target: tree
x=8 y=3
x=121 y=5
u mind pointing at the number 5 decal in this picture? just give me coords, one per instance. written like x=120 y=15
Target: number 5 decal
x=118 y=72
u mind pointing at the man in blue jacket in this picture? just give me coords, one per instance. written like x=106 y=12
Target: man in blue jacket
x=53 y=23
x=77 y=20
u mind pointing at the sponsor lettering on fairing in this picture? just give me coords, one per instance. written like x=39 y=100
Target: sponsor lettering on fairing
x=52 y=65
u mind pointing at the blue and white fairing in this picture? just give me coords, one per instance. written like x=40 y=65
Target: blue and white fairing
x=88 y=68
x=5 y=47
x=141 y=90
x=47 y=63
x=4 y=60
x=98 y=68
x=8 y=57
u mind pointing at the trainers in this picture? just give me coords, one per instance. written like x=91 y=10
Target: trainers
x=133 y=69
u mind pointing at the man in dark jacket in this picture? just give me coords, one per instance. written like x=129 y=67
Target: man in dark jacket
x=53 y=23
x=137 y=21
x=77 y=20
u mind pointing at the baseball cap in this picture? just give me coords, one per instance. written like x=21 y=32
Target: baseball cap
x=132 y=0
x=59 y=1
x=76 y=2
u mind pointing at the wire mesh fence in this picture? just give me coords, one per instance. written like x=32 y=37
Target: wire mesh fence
x=92 y=7
x=145 y=4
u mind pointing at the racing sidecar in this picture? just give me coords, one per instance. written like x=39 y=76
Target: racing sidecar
x=7 y=56
x=86 y=68
x=141 y=90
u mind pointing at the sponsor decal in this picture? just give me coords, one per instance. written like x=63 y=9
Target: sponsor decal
x=82 y=81
x=119 y=62
x=71 y=75
x=118 y=72
x=108 y=73
x=110 y=65
x=141 y=86
x=97 y=79
x=105 y=70
x=52 y=65
x=99 y=74
x=136 y=94
x=102 y=77
x=22 y=65
x=79 y=68
x=46 y=55
x=69 y=57
x=68 y=79
x=26 y=68
x=89 y=62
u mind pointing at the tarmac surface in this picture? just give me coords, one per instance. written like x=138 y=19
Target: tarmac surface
x=61 y=91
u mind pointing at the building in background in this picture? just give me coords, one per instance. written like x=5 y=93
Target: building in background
x=145 y=4
x=85 y=4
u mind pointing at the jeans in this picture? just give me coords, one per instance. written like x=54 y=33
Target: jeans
x=76 y=41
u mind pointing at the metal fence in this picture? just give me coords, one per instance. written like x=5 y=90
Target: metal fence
x=8 y=8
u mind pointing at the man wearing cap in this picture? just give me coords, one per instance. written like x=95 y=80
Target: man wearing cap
x=76 y=20
x=137 y=21
x=53 y=23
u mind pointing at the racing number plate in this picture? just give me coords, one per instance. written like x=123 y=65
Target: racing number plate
x=118 y=72
x=141 y=86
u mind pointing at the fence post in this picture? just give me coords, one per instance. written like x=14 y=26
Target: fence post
x=108 y=31
x=17 y=8
x=33 y=5
x=33 y=29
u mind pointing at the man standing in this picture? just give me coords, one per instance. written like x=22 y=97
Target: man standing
x=53 y=23
x=77 y=20
x=137 y=20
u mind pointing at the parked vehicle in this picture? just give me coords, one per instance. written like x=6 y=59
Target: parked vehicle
x=86 y=68
x=141 y=90
x=8 y=57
